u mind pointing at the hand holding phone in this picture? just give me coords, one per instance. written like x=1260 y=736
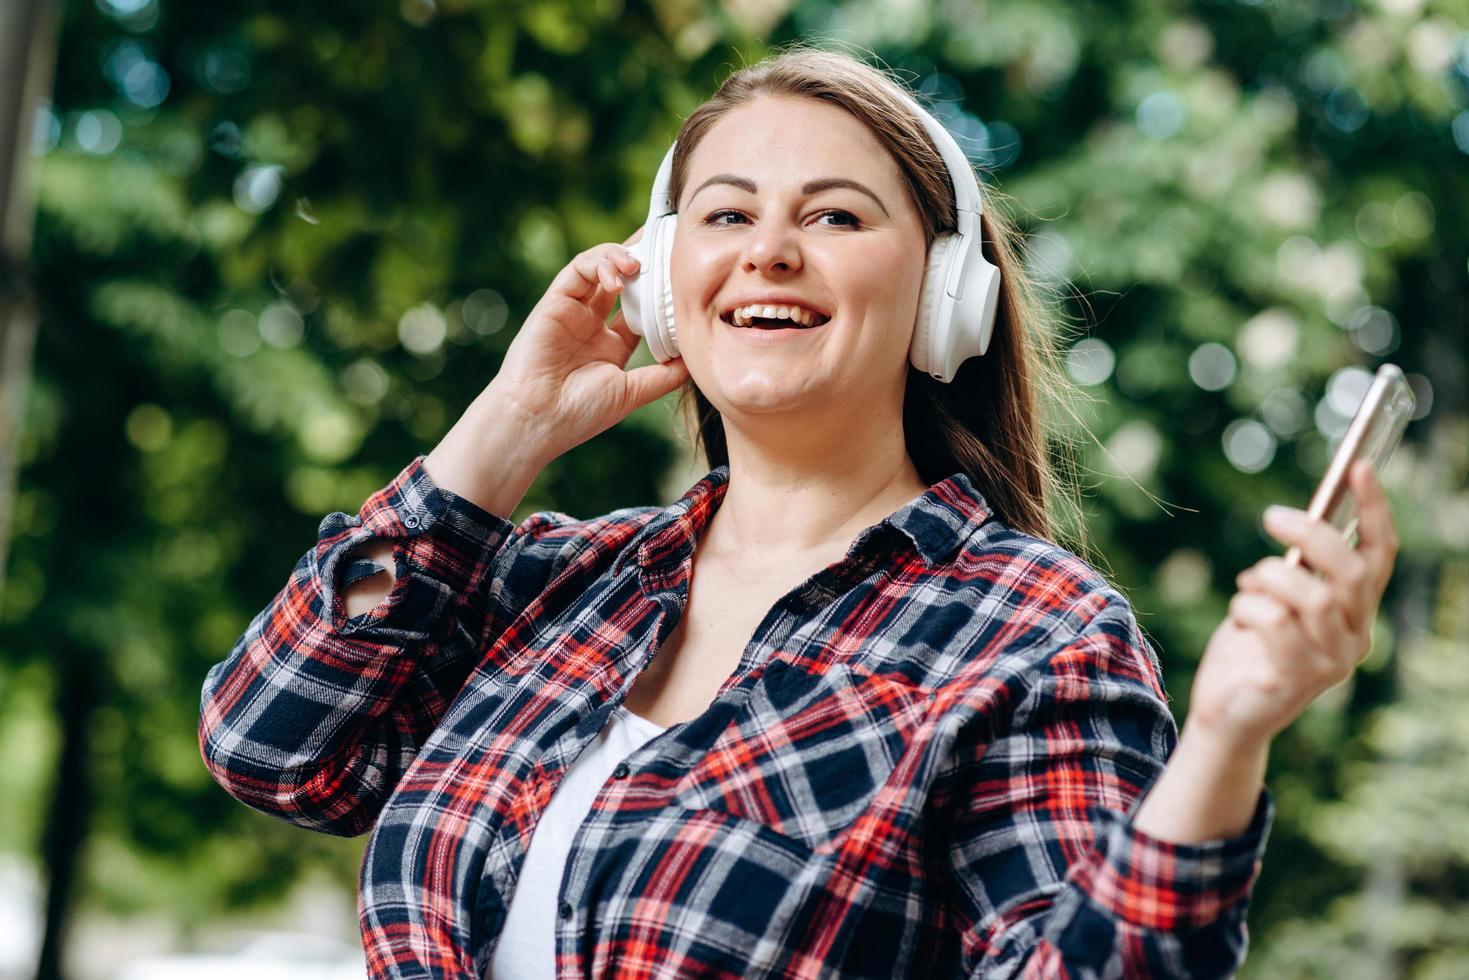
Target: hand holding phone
x=1294 y=632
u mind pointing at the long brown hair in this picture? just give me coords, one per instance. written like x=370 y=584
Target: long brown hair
x=988 y=421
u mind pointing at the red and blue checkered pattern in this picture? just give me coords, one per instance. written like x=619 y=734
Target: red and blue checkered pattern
x=925 y=764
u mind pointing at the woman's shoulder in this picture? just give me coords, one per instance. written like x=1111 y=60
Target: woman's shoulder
x=969 y=547
x=1029 y=569
x=616 y=531
x=1036 y=600
x=553 y=527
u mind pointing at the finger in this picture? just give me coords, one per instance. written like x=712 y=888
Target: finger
x=630 y=340
x=1255 y=610
x=601 y=302
x=1314 y=603
x=620 y=265
x=1379 y=536
x=609 y=279
x=1322 y=545
x=580 y=278
x=1281 y=635
x=627 y=263
x=653 y=381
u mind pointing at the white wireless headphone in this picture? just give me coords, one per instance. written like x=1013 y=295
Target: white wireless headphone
x=956 y=309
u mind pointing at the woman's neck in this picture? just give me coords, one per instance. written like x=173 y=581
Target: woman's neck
x=772 y=513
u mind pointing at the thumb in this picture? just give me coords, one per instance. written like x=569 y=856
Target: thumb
x=648 y=384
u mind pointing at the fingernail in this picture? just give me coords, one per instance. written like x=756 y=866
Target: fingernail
x=1284 y=518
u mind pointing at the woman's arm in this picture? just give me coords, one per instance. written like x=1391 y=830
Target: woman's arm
x=1052 y=877
x=1208 y=790
x=1054 y=880
x=1289 y=636
x=330 y=692
x=318 y=708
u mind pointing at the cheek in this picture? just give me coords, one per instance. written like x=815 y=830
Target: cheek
x=908 y=296
x=893 y=303
x=694 y=270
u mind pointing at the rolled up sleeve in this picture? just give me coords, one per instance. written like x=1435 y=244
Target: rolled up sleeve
x=1052 y=877
x=314 y=715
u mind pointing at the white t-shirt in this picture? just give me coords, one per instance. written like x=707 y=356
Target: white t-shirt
x=527 y=946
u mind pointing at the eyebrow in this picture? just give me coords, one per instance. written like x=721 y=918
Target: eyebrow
x=810 y=187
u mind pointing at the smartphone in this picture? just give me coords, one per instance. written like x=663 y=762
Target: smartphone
x=1375 y=432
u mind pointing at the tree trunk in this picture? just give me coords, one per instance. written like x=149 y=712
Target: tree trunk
x=27 y=60
x=71 y=804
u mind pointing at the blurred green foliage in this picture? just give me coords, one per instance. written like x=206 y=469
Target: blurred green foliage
x=280 y=249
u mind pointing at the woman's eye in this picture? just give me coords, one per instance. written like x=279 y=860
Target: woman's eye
x=849 y=220
x=855 y=223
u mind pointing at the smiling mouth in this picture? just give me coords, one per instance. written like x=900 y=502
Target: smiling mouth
x=773 y=323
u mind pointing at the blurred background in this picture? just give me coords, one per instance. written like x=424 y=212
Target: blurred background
x=278 y=248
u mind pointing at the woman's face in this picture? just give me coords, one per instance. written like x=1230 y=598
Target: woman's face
x=794 y=198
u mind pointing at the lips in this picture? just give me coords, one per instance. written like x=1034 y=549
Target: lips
x=762 y=324
x=774 y=313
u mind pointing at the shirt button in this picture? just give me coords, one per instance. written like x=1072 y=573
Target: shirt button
x=412 y=520
x=565 y=910
x=621 y=771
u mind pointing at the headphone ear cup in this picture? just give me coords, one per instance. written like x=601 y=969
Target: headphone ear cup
x=663 y=263
x=647 y=302
x=925 y=331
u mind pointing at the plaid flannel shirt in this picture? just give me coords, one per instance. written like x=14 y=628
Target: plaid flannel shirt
x=925 y=764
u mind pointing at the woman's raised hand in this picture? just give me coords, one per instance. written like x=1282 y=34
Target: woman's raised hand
x=563 y=381
x=1290 y=635
x=566 y=369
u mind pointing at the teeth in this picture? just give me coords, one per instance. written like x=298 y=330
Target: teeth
x=742 y=315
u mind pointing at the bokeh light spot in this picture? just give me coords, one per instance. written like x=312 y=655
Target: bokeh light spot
x=1375 y=224
x=148 y=427
x=1374 y=330
x=1422 y=395
x=45 y=131
x=1248 y=445
x=1268 y=339
x=258 y=186
x=281 y=325
x=1090 y=361
x=364 y=382
x=98 y=132
x=1161 y=115
x=1134 y=449
x=1414 y=214
x=1284 y=410
x=238 y=333
x=422 y=329
x=1212 y=366
x=1183 y=577
x=485 y=312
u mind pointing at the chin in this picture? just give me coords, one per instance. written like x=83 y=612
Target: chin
x=755 y=395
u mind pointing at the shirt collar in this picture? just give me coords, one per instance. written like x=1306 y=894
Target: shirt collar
x=936 y=522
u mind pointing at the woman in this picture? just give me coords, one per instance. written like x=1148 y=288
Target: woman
x=843 y=709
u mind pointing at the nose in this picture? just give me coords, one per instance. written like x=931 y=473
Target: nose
x=772 y=248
